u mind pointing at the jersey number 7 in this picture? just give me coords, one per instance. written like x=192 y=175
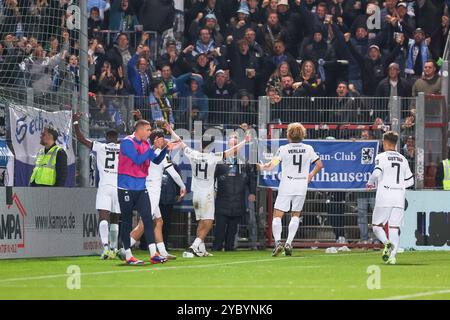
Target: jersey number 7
x=398 y=171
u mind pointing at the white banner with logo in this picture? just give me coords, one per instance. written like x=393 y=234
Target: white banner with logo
x=39 y=223
x=427 y=221
x=26 y=125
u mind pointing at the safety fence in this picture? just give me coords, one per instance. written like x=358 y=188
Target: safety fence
x=328 y=216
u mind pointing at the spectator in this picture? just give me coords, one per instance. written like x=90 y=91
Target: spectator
x=220 y=92
x=344 y=109
x=216 y=86
x=418 y=54
x=324 y=55
x=160 y=108
x=270 y=32
x=361 y=44
x=176 y=62
x=94 y=21
x=393 y=84
x=409 y=151
x=308 y=83
x=430 y=82
x=210 y=24
x=233 y=177
x=108 y=82
x=191 y=85
x=139 y=78
x=156 y=15
x=170 y=87
x=365 y=202
x=280 y=55
x=101 y=5
x=274 y=82
x=255 y=48
x=120 y=53
x=38 y=69
x=237 y=29
x=256 y=14
x=122 y=16
x=244 y=110
x=51 y=162
x=171 y=194
x=205 y=44
x=372 y=66
x=201 y=66
x=244 y=66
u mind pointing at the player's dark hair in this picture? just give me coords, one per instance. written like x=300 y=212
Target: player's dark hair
x=157 y=133
x=141 y=123
x=207 y=140
x=111 y=134
x=52 y=131
x=391 y=137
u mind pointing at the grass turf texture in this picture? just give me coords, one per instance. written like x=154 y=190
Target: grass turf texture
x=233 y=275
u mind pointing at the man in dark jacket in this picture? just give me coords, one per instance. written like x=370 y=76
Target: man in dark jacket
x=233 y=179
x=393 y=84
x=244 y=65
x=156 y=15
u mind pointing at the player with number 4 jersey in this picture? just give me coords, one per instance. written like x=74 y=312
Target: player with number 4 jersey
x=296 y=159
x=107 y=202
x=391 y=176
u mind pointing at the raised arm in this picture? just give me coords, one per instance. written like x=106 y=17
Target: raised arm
x=237 y=147
x=80 y=137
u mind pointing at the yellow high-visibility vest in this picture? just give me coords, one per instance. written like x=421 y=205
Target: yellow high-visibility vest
x=446 y=181
x=44 y=173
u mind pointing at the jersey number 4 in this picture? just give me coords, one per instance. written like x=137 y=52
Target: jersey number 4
x=297 y=161
x=110 y=160
x=199 y=168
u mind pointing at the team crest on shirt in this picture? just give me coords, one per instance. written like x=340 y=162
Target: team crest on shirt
x=367 y=155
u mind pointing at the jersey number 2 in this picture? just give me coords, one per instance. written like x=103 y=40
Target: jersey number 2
x=110 y=157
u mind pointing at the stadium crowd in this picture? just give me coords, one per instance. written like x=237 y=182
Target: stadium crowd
x=227 y=49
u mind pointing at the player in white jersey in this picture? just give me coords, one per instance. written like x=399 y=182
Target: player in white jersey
x=203 y=165
x=391 y=177
x=107 y=202
x=153 y=183
x=296 y=159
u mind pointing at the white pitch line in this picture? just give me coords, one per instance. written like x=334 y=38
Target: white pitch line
x=416 y=295
x=138 y=269
x=141 y=269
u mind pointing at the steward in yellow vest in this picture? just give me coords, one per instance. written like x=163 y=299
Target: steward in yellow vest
x=51 y=162
x=443 y=174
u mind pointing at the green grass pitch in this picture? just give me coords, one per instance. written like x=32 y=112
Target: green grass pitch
x=241 y=275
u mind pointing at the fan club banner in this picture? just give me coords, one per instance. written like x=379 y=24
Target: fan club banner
x=347 y=164
x=26 y=125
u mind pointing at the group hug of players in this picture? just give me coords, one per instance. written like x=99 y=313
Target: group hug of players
x=130 y=178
